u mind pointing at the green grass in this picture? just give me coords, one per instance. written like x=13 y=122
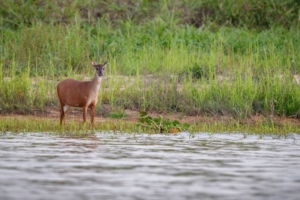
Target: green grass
x=24 y=124
x=29 y=124
x=246 y=72
x=163 y=61
x=259 y=14
x=118 y=115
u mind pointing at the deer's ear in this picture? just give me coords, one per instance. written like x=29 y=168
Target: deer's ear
x=94 y=64
x=104 y=64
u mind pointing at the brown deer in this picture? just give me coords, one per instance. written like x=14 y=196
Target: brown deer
x=80 y=93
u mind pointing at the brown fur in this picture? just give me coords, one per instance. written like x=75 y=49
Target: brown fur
x=80 y=93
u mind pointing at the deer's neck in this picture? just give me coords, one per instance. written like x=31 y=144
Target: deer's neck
x=95 y=83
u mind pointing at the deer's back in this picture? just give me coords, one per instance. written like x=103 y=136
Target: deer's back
x=72 y=92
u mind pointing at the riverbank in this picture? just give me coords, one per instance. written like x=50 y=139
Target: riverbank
x=48 y=121
x=232 y=75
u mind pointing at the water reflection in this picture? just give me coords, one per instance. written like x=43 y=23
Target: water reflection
x=142 y=166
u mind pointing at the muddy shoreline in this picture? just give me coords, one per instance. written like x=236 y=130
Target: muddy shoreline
x=52 y=113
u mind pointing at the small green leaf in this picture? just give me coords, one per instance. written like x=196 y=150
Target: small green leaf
x=186 y=126
x=143 y=113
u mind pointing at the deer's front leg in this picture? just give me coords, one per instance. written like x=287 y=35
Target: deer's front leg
x=93 y=108
x=84 y=109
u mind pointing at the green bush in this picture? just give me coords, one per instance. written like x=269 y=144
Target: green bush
x=249 y=14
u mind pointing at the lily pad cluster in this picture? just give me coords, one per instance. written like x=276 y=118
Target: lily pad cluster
x=160 y=125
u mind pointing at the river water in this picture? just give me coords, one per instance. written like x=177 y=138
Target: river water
x=143 y=166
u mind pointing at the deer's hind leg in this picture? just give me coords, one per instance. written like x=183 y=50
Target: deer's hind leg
x=63 y=110
x=62 y=114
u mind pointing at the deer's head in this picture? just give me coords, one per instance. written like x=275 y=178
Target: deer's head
x=99 y=68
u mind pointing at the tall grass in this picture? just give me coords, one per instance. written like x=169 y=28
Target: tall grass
x=158 y=64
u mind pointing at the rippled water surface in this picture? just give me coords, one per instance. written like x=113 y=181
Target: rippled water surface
x=142 y=166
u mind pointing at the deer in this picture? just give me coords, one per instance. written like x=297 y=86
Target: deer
x=74 y=93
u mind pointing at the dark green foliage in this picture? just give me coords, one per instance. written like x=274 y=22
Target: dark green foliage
x=117 y=115
x=249 y=14
x=158 y=124
x=246 y=13
x=194 y=72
